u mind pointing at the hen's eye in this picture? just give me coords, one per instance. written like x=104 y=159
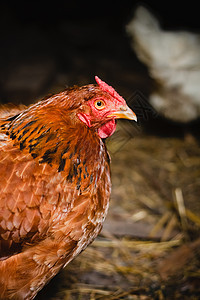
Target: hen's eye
x=99 y=104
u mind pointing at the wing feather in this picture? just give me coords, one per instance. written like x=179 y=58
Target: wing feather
x=27 y=199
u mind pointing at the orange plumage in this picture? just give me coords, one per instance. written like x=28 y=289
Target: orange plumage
x=54 y=182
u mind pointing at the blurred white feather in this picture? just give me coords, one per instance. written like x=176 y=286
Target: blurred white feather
x=173 y=60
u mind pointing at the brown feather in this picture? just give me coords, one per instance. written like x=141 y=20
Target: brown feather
x=54 y=190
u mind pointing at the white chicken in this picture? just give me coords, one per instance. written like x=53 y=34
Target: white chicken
x=173 y=60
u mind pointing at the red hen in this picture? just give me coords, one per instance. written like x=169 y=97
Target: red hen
x=54 y=183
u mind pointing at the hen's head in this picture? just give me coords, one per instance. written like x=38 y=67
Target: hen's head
x=102 y=106
x=96 y=106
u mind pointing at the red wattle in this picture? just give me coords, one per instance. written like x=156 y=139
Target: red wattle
x=107 y=129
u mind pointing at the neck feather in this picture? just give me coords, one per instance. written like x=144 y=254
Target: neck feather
x=71 y=148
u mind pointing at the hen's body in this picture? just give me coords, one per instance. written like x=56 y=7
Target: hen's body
x=54 y=183
x=54 y=197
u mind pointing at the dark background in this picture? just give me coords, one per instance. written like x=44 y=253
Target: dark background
x=47 y=46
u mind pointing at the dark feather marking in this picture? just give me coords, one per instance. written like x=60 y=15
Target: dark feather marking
x=13 y=136
x=33 y=139
x=22 y=145
x=42 y=127
x=86 y=171
x=80 y=170
x=51 y=151
x=70 y=176
x=47 y=155
x=46 y=158
x=34 y=155
x=32 y=146
x=91 y=178
x=75 y=170
x=29 y=123
x=75 y=148
x=13 y=118
x=25 y=131
x=19 y=137
x=78 y=185
x=65 y=150
x=41 y=136
x=22 y=134
x=50 y=137
x=16 y=124
x=63 y=160
x=62 y=164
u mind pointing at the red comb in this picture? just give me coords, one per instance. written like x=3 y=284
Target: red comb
x=109 y=89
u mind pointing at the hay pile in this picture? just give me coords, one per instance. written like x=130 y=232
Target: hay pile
x=149 y=247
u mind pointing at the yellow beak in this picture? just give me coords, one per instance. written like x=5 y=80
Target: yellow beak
x=124 y=112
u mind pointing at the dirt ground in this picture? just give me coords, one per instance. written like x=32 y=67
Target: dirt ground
x=149 y=247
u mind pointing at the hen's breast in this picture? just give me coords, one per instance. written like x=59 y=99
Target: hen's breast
x=81 y=212
x=37 y=200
